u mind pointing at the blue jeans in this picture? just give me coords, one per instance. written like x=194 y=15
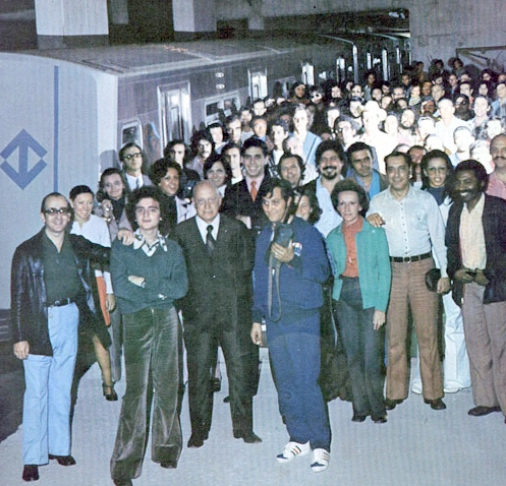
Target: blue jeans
x=294 y=350
x=364 y=349
x=46 y=403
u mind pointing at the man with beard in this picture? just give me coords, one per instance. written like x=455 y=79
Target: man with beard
x=497 y=180
x=330 y=161
x=476 y=243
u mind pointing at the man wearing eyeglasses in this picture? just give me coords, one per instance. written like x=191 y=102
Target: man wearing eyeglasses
x=131 y=157
x=50 y=294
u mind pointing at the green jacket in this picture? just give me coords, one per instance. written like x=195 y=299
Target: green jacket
x=373 y=258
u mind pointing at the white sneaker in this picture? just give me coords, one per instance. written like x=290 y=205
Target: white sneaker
x=321 y=459
x=452 y=388
x=293 y=450
x=416 y=387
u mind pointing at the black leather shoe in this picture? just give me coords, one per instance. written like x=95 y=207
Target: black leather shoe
x=436 y=404
x=30 y=473
x=379 y=419
x=391 y=404
x=249 y=437
x=215 y=384
x=358 y=418
x=122 y=482
x=63 y=460
x=480 y=411
x=109 y=392
x=196 y=440
x=168 y=464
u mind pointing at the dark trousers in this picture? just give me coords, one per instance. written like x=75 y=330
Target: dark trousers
x=153 y=369
x=294 y=351
x=201 y=348
x=364 y=349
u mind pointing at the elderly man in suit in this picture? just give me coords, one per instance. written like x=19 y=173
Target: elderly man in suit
x=216 y=311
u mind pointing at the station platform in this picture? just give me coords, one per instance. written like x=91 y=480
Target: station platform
x=417 y=447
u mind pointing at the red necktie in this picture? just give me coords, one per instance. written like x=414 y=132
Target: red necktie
x=253 y=191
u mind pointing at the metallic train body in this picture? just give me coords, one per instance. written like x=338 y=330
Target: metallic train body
x=65 y=114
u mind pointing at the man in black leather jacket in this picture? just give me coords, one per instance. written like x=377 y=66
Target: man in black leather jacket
x=50 y=294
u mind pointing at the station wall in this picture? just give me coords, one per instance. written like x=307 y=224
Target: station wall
x=438 y=27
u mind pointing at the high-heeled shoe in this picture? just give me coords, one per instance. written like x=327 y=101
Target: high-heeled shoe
x=109 y=393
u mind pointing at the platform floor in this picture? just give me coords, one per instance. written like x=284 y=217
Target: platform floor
x=417 y=447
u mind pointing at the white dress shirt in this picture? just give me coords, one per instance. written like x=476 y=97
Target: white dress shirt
x=329 y=218
x=202 y=226
x=96 y=231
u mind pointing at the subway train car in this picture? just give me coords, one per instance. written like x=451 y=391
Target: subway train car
x=66 y=113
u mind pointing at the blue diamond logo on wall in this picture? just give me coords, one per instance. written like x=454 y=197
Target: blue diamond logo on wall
x=23 y=142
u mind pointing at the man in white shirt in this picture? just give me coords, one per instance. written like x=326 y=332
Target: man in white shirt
x=448 y=123
x=414 y=227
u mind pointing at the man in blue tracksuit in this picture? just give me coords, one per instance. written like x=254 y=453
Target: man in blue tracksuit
x=291 y=265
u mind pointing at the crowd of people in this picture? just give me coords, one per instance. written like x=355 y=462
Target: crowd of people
x=325 y=224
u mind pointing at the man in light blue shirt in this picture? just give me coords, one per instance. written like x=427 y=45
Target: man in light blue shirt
x=414 y=227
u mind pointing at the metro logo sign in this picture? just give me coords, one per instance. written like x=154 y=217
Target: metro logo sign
x=19 y=171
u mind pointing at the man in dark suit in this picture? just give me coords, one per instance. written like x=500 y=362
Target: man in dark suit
x=243 y=200
x=476 y=243
x=216 y=311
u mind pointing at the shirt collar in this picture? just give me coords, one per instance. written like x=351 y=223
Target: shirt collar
x=149 y=250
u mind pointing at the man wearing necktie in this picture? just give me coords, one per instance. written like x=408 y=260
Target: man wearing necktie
x=243 y=200
x=216 y=311
x=131 y=157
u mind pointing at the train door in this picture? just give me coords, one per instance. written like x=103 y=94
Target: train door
x=258 y=84
x=175 y=112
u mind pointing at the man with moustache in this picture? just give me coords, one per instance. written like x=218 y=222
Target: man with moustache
x=414 y=228
x=217 y=311
x=476 y=240
x=497 y=180
x=330 y=161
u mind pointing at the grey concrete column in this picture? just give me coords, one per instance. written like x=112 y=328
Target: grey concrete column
x=194 y=19
x=61 y=23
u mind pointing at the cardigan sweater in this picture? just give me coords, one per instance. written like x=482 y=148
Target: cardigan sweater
x=374 y=271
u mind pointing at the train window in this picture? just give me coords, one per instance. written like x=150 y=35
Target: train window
x=226 y=105
x=174 y=110
x=212 y=109
x=308 y=74
x=258 y=84
x=131 y=132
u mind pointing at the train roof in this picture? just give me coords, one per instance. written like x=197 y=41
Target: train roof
x=131 y=59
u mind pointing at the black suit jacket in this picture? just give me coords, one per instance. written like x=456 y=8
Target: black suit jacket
x=220 y=287
x=28 y=289
x=238 y=202
x=494 y=228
